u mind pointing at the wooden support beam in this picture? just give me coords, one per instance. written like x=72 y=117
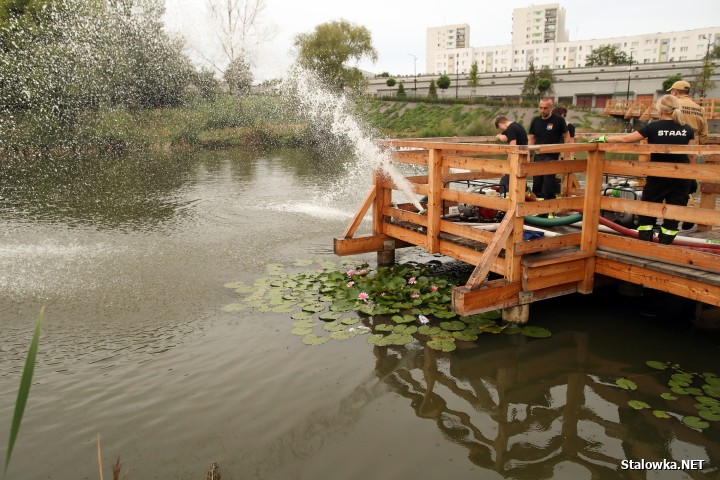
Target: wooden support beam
x=665 y=282
x=435 y=189
x=406 y=216
x=492 y=251
x=360 y=214
x=497 y=167
x=467 y=232
x=546 y=206
x=554 y=274
x=591 y=215
x=361 y=244
x=489 y=296
x=496 y=203
x=696 y=171
x=559 y=166
x=415 y=157
x=705 y=216
x=516 y=190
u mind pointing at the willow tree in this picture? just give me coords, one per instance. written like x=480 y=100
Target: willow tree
x=331 y=49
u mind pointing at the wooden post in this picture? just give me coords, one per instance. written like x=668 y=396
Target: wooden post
x=591 y=216
x=513 y=269
x=434 y=200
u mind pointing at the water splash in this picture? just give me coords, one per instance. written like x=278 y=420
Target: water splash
x=322 y=107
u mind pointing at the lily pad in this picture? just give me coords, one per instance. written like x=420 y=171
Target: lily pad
x=301 y=331
x=513 y=330
x=661 y=414
x=349 y=321
x=428 y=330
x=283 y=309
x=329 y=316
x=656 y=365
x=384 y=327
x=234 y=307
x=301 y=315
x=342 y=335
x=668 y=396
x=637 y=404
x=312 y=339
x=626 y=384
x=313 y=308
x=333 y=327
x=403 y=318
x=695 y=422
x=710 y=415
x=455 y=325
x=468 y=337
x=442 y=345
x=535 y=332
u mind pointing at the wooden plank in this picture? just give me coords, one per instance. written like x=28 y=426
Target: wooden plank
x=406 y=216
x=547 y=206
x=662 y=253
x=554 y=258
x=473 y=148
x=560 y=166
x=485 y=165
x=645 y=148
x=495 y=203
x=553 y=268
x=360 y=244
x=416 y=157
x=660 y=210
x=697 y=171
x=466 y=232
x=554 y=291
x=434 y=205
x=360 y=214
x=459 y=252
x=467 y=176
x=405 y=235
x=516 y=190
x=547 y=243
x=377 y=219
x=563 y=148
x=568 y=275
x=492 y=251
x=489 y=296
x=679 y=271
x=665 y=282
x=706 y=187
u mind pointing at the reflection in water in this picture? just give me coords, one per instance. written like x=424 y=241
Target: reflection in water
x=539 y=407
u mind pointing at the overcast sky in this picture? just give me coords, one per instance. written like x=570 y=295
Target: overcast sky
x=398 y=28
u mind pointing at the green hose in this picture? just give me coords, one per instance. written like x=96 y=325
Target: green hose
x=553 y=222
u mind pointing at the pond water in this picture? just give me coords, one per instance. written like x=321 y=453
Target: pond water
x=130 y=256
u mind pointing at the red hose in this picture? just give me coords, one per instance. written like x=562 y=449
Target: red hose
x=710 y=247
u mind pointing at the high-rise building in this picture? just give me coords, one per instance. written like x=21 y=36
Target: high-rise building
x=539 y=24
x=539 y=36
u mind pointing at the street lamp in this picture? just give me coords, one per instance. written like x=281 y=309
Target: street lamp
x=627 y=97
x=415 y=72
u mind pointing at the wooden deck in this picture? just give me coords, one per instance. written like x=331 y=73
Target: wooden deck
x=557 y=265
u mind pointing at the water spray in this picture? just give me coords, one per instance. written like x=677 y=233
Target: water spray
x=323 y=107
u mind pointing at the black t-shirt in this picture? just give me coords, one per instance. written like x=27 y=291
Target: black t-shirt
x=667 y=132
x=516 y=132
x=571 y=130
x=547 y=131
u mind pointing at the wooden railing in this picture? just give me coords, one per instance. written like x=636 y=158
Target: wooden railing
x=645 y=109
x=567 y=263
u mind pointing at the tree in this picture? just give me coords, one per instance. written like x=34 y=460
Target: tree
x=329 y=48
x=239 y=29
x=529 y=89
x=390 y=82
x=547 y=79
x=443 y=82
x=667 y=83
x=432 y=91
x=238 y=77
x=401 y=91
x=473 y=80
x=206 y=83
x=703 y=82
x=543 y=85
x=607 y=55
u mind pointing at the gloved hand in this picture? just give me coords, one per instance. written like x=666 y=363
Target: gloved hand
x=601 y=139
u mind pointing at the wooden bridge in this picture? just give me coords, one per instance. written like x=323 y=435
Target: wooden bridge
x=644 y=109
x=566 y=262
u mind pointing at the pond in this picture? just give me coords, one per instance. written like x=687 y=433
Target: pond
x=130 y=255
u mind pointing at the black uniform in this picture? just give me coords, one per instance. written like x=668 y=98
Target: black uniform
x=516 y=132
x=547 y=131
x=674 y=191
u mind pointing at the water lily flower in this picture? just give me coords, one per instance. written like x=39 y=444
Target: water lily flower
x=362 y=272
x=363 y=296
x=382 y=294
x=415 y=295
x=350 y=272
x=350 y=284
x=434 y=288
x=423 y=319
x=412 y=281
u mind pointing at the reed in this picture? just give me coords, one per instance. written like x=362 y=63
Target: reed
x=24 y=390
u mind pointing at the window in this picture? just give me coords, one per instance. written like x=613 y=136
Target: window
x=683 y=49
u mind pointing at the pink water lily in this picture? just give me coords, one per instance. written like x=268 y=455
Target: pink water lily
x=434 y=288
x=423 y=319
x=363 y=296
x=350 y=272
x=415 y=295
x=350 y=284
x=412 y=281
x=362 y=272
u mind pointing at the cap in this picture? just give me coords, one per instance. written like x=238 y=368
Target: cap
x=679 y=85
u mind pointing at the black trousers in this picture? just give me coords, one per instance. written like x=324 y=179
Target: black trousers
x=545 y=186
x=673 y=191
